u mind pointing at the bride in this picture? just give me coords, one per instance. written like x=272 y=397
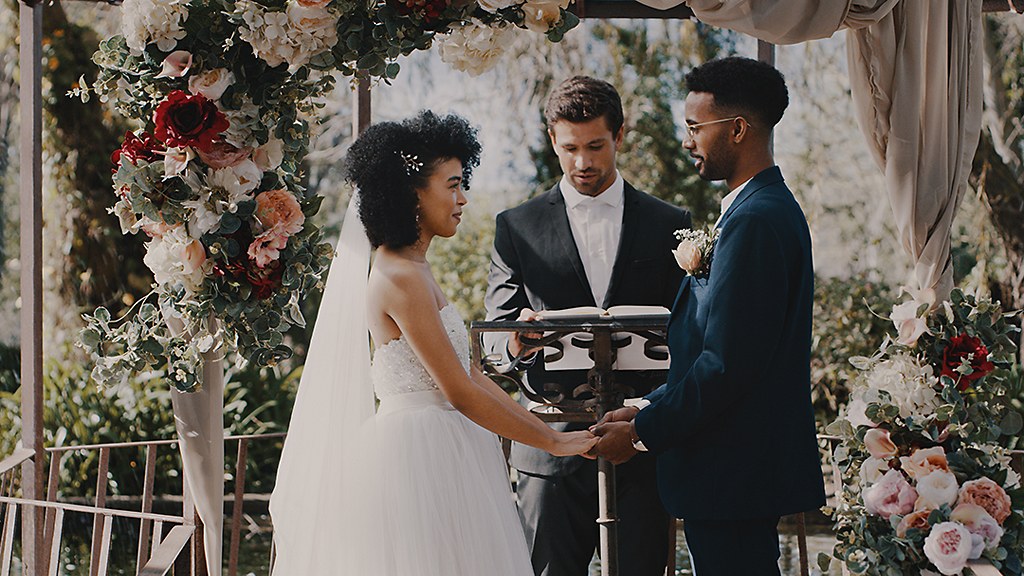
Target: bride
x=420 y=487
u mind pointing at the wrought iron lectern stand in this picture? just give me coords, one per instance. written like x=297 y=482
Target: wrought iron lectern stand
x=586 y=402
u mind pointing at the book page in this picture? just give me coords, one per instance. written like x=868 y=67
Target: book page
x=632 y=311
x=577 y=312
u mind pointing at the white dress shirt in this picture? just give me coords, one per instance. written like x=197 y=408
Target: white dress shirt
x=596 y=223
x=729 y=199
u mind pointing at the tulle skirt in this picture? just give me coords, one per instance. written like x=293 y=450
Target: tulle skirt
x=446 y=500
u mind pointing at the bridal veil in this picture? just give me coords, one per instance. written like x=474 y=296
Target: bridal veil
x=326 y=499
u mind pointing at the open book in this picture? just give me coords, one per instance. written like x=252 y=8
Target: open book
x=632 y=352
x=623 y=311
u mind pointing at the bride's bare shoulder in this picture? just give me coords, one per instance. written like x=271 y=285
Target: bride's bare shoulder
x=393 y=278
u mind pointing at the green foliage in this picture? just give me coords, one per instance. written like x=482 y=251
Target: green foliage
x=461 y=263
x=77 y=412
x=941 y=385
x=847 y=323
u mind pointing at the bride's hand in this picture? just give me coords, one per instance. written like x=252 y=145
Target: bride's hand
x=571 y=443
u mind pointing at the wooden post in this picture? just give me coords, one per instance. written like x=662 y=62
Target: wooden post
x=361 y=108
x=33 y=471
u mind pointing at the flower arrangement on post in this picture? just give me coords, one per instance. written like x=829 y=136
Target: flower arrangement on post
x=926 y=484
x=223 y=91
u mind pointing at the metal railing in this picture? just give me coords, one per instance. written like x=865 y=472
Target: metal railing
x=164 y=541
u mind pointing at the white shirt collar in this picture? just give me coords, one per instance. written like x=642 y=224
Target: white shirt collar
x=731 y=196
x=612 y=196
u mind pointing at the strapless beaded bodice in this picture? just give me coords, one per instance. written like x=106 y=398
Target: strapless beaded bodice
x=397 y=370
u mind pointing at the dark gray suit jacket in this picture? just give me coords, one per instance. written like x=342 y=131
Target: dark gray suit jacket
x=535 y=264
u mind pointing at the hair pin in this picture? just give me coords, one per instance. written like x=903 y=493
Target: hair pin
x=411 y=161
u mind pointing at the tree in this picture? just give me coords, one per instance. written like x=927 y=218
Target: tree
x=998 y=171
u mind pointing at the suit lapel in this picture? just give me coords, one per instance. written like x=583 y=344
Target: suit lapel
x=630 y=223
x=764 y=178
x=563 y=233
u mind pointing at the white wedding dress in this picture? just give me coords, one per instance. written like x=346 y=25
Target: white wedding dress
x=413 y=488
x=447 y=503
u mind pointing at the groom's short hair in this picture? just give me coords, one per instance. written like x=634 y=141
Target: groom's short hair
x=581 y=99
x=742 y=85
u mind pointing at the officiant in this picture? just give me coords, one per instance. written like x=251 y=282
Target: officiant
x=591 y=240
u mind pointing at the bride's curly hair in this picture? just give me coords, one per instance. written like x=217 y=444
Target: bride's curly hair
x=390 y=161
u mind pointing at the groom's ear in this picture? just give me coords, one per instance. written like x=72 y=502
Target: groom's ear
x=551 y=135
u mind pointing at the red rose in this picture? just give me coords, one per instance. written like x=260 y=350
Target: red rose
x=184 y=120
x=135 y=148
x=264 y=281
x=964 y=348
x=429 y=9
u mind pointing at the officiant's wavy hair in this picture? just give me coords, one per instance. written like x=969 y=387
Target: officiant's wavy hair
x=390 y=161
x=581 y=99
x=742 y=85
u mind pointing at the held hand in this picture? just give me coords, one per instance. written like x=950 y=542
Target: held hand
x=624 y=414
x=573 y=443
x=615 y=445
x=515 y=345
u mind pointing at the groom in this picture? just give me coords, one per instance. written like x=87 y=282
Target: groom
x=733 y=427
x=592 y=240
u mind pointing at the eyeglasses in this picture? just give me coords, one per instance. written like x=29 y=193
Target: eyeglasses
x=691 y=129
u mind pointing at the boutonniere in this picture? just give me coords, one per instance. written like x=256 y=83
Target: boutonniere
x=695 y=250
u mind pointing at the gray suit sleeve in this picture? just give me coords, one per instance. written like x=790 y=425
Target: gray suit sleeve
x=506 y=295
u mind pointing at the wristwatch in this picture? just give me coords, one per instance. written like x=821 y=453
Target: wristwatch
x=638 y=445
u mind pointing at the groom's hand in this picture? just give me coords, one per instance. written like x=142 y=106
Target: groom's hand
x=624 y=414
x=616 y=444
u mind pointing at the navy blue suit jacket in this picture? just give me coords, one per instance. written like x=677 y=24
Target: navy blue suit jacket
x=733 y=426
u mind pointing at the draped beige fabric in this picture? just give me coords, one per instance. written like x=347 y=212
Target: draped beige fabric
x=916 y=77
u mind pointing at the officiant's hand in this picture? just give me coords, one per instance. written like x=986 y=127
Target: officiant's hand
x=616 y=441
x=515 y=345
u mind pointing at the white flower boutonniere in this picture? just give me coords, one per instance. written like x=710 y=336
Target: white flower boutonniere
x=695 y=250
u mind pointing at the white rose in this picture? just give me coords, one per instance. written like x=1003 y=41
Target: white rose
x=211 y=83
x=173 y=261
x=855 y=413
x=936 y=489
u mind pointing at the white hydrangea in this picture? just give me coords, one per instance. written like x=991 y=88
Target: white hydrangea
x=911 y=385
x=168 y=257
x=156 y=21
x=292 y=36
x=476 y=47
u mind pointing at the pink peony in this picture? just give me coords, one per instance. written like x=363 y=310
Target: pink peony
x=890 y=495
x=948 y=546
x=878 y=443
x=267 y=247
x=987 y=494
x=278 y=209
x=980 y=523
